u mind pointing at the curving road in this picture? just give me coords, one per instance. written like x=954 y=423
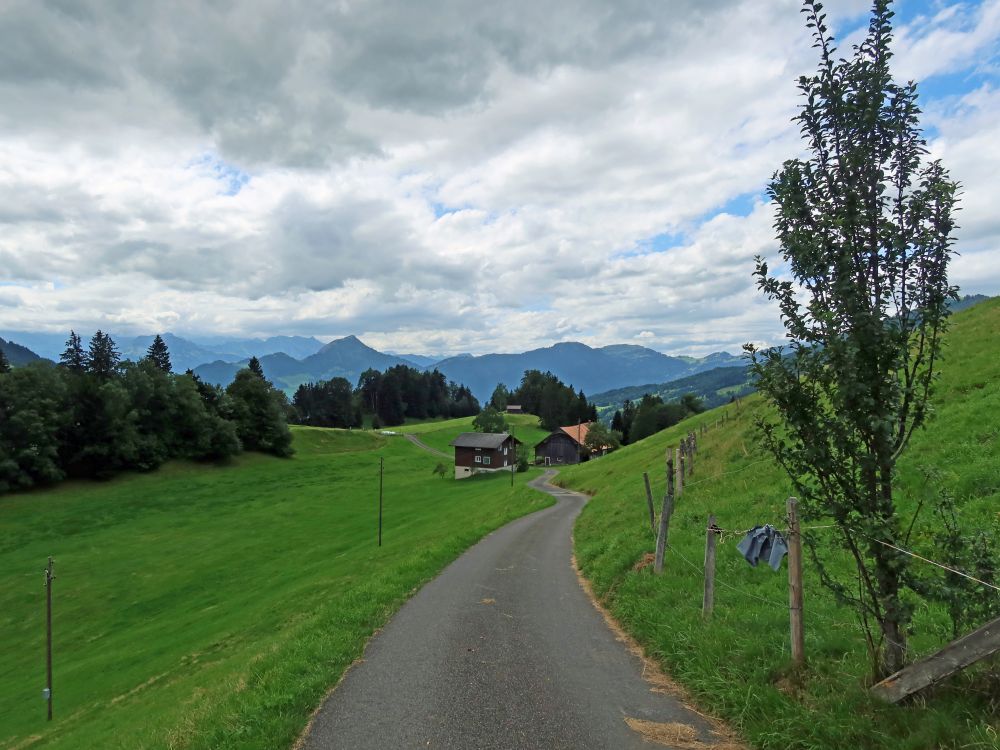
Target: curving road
x=504 y=649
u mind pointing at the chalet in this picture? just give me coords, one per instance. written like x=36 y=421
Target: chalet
x=484 y=451
x=515 y=409
x=565 y=446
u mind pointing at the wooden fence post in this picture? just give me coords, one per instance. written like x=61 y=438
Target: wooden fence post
x=649 y=502
x=795 y=583
x=665 y=513
x=708 y=600
x=683 y=473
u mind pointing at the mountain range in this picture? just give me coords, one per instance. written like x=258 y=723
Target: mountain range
x=289 y=361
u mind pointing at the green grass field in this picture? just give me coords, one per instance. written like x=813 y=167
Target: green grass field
x=738 y=665
x=213 y=607
x=439 y=434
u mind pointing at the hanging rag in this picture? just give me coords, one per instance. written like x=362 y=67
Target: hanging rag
x=763 y=543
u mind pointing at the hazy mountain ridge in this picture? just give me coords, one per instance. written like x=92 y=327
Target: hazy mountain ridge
x=17 y=354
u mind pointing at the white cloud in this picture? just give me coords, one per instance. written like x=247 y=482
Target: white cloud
x=431 y=177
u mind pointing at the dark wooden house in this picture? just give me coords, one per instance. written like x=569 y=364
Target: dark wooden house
x=564 y=446
x=484 y=451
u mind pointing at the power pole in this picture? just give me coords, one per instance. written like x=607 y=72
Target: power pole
x=47 y=693
x=381 y=471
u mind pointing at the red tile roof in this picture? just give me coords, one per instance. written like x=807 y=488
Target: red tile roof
x=577 y=431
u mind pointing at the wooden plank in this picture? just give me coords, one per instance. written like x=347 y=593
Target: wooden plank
x=956 y=656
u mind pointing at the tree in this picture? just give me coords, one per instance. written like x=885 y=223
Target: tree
x=73 y=357
x=159 y=355
x=600 y=438
x=4 y=364
x=500 y=397
x=255 y=367
x=259 y=413
x=103 y=358
x=864 y=225
x=489 y=420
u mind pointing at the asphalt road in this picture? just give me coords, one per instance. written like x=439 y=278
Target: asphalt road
x=503 y=650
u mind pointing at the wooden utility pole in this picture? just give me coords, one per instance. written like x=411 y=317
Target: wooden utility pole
x=381 y=471
x=49 y=578
x=665 y=513
x=711 y=537
x=795 y=582
x=649 y=502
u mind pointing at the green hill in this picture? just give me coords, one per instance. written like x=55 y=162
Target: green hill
x=737 y=665
x=714 y=387
x=213 y=607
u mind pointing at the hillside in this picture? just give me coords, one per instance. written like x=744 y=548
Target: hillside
x=16 y=354
x=738 y=665
x=714 y=387
x=210 y=607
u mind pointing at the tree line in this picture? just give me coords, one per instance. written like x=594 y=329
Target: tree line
x=390 y=398
x=638 y=420
x=546 y=396
x=94 y=415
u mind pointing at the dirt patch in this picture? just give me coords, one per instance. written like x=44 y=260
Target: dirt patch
x=676 y=735
x=487 y=601
x=644 y=562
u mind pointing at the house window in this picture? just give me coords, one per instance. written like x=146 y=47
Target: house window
x=479 y=459
x=505 y=450
x=486 y=460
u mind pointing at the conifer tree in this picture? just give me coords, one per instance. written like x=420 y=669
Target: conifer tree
x=255 y=367
x=4 y=364
x=74 y=358
x=103 y=358
x=159 y=355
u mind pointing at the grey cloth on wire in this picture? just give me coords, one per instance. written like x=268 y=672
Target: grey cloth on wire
x=763 y=543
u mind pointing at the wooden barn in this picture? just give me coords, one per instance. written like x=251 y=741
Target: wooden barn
x=484 y=451
x=564 y=446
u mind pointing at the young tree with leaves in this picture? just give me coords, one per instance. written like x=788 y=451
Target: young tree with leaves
x=489 y=420
x=159 y=355
x=864 y=224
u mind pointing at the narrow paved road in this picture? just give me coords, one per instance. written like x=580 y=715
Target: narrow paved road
x=502 y=650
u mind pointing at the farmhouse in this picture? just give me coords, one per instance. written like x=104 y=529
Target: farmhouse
x=514 y=409
x=565 y=446
x=484 y=451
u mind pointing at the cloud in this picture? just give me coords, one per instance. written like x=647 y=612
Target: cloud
x=434 y=176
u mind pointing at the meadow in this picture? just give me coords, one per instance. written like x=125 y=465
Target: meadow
x=204 y=606
x=737 y=664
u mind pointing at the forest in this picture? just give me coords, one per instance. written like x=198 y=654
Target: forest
x=94 y=415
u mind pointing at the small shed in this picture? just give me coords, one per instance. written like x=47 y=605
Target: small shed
x=564 y=446
x=515 y=409
x=484 y=451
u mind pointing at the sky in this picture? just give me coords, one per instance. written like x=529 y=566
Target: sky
x=442 y=176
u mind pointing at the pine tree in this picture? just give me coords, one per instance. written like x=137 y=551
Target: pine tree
x=159 y=355
x=4 y=364
x=73 y=357
x=103 y=358
x=254 y=366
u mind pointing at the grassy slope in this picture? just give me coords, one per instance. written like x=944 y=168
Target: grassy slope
x=738 y=665
x=206 y=607
x=440 y=434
